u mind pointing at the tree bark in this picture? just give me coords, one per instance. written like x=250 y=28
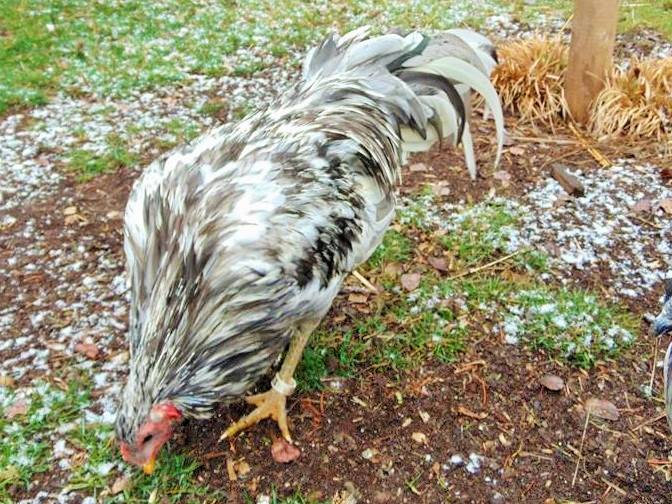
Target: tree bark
x=591 y=53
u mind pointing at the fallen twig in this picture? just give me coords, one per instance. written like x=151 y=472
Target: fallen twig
x=597 y=155
x=650 y=421
x=471 y=271
x=613 y=486
x=580 y=455
x=365 y=282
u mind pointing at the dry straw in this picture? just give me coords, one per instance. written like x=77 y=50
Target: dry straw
x=531 y=78
x=636 y=102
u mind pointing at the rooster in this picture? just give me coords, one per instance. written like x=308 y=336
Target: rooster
x=662 y=324
x=237 y=243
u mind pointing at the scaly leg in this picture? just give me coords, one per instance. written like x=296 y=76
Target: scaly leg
x=272 y=403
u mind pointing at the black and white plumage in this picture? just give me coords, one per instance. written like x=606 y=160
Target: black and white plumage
x=246 y=233
x=662 y=324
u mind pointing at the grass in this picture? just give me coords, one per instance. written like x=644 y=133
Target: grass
x=438 y=319
x=656 y=14
x=396 y=247
x=25 y=450
x=115 y=48
x=55 y=415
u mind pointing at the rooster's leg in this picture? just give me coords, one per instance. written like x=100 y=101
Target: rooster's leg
x=272 y=403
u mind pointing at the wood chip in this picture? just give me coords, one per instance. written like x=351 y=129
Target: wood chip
x=231 y=470
x=666 y=205
x=71 y=210
x=410 y=281
x=6 y=381
x=569 y=182
x=642 y=206
x=602 y=408
x=552 y=382
x=462 y=410
x=419 y=437
x=418 y=167
x=358 y=298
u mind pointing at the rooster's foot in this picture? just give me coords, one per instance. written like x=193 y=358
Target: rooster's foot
x=270 y=404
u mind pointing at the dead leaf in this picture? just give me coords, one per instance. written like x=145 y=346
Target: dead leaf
x=462 y=410
x=120 y=484
x=410 y=281
x=419 y=437
x=517 y=151
x=358 y=298
x=666 y=205
x=552 y=382
x=502 y=175
x=392 y=270
x=71 y=210
x=418 y=167
x=18 y=408
x=602 y=408
x=440 y=188
x=438 y=263
x=666 y=173
x=88 y=349
x=284 y=452
x=642 y=206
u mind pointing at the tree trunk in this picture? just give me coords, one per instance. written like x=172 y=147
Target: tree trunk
x=591 y=53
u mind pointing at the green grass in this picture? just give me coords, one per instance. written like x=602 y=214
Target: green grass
x=27 y=450
x=396 y=247
x=438 y=319
x=633 y=14
x=571 y=324
x=113 y=48
x=24 y=450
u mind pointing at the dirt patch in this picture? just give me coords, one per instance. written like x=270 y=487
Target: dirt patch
x=524 y=449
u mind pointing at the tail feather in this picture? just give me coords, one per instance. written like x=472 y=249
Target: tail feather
x=425 y=83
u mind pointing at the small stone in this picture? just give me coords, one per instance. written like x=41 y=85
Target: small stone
x=368 y=454
x=552 y=382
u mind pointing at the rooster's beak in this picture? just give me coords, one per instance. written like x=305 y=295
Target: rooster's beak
x=149 y=466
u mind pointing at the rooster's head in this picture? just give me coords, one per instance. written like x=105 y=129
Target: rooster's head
x=141 y=446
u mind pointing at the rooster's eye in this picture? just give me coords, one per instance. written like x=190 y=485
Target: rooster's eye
x=147 y=438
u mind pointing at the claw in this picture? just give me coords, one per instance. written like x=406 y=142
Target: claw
x=270 y=404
